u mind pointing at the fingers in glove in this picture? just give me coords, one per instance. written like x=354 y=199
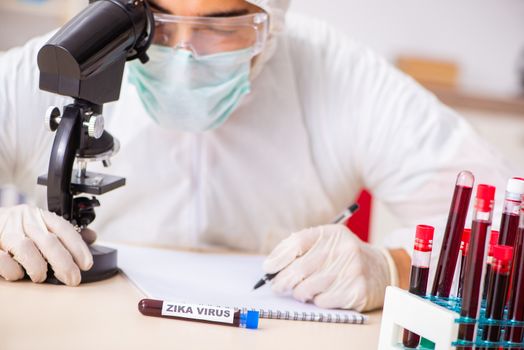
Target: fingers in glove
x=349 y=289
x=28 y=255
x=10 y=270
x=22 y=249
x=289 y=249
x=88 y=236
x=303 y=267
x=313 y=285
x=322 y=280
x=344 y=294
x=70 y=238
x=52 y=249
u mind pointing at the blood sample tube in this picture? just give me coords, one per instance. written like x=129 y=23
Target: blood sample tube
x=464 y=245
x=516 y=300
x=476 y=260
x=500 y=269
x=493 y=241
x=509 y=223
x=458 y=211
x=199 y=313
x=419 y=273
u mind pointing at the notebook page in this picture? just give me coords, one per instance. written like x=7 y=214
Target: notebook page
x=212 y=279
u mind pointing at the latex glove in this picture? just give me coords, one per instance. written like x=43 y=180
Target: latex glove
x=30 y=238
x=331 y=267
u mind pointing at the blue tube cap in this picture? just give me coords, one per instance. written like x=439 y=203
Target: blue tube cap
x=252 y=320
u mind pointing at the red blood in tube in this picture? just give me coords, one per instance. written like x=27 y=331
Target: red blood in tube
x=150 y=307
x=473 y=276
x=464 y=245
x=509 y=224
x=420 y=280
x=451 y=242
x=419 y=273
x=493 y=241
x=498 y=288
x=475 y=262
x=516 y=302
x=508 y=229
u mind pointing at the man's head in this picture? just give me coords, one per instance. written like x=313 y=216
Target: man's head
x=276 y=10
x=205 y=8
x=205 y=55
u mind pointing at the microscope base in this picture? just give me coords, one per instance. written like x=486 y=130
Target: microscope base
x=104 y=266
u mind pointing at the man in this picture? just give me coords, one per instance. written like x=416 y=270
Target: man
x=236 y=138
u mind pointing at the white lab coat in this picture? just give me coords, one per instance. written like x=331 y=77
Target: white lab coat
x=326 y=117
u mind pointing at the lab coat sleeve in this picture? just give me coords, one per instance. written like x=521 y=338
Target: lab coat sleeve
x=411 y=152
x=24 y=141
x=377 y=128
x=410 y=147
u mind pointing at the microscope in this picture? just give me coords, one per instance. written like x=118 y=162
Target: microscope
x=85 y=60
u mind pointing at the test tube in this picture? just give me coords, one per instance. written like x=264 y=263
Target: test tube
x=464 y=245
x=516 y=299
x=476 y=260
x=509 y=223
x=458 y=211
x=493 y=241
x=500 y=269
x=419 y=273
x=199 y=313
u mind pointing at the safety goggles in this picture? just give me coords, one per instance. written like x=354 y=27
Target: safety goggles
x=211 y=35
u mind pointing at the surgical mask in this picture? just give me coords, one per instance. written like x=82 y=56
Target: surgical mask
x=181 y=91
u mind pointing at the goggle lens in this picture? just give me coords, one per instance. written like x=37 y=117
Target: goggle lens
x=207 y=36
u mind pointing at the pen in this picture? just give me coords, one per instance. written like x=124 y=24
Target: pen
x=199 y=313
x=342 y=218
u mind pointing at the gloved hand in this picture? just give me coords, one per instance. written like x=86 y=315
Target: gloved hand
x=331 y=267
x=30 y=238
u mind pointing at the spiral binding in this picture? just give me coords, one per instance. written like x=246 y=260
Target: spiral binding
x=329 y=317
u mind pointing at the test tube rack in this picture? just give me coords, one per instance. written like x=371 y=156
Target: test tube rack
x=436 y=320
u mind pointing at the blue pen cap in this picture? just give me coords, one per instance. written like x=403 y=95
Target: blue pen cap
x=249 y=319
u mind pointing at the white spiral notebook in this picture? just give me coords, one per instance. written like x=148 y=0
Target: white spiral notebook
x=216 y=279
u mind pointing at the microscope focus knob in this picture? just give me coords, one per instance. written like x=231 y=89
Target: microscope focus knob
x=52 y=118
x=95 y=126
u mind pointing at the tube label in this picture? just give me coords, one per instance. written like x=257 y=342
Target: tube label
x=198 y=312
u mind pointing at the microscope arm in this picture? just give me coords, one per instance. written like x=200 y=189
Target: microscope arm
x=59 y=197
